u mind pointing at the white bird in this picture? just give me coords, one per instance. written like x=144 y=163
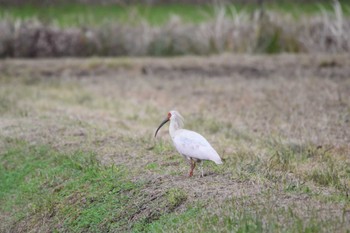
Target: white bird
x=190 y=144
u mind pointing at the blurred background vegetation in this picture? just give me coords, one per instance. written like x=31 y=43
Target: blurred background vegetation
x=166 y=28
x=73 y=13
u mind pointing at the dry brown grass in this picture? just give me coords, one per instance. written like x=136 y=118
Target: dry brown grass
x=281 y=123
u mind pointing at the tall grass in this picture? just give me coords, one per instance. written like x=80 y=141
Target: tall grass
x=228 y=32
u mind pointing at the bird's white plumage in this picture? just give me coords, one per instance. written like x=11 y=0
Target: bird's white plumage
x=189 y=143
x=193 y=145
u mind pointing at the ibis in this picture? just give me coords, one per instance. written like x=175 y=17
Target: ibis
x=193 y=146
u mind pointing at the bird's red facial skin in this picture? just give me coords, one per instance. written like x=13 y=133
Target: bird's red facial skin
x=169 y=115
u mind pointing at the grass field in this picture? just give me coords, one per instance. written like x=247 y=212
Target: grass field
x=77 y=151
x=76 y=15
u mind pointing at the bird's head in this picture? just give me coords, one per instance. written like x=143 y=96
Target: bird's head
x=173 y=116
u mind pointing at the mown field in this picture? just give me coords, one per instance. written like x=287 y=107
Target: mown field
x=77 y=151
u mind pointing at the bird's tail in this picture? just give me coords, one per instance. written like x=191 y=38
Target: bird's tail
x=218 y=161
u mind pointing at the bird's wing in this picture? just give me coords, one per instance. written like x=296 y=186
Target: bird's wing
x=194 y=145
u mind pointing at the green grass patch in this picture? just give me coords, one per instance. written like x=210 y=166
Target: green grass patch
x=296 y=8
x=236 y=216
x=41 y=188
x=68 y=192
x=175 y=197
x=80 y=14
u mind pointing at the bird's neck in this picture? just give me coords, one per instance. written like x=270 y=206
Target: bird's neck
x=174 y=125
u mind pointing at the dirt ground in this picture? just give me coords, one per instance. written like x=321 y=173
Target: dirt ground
x=252 y=109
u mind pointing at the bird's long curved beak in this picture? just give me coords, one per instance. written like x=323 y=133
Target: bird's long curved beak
x=160 y=126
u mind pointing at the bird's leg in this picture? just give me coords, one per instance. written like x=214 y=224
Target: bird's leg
x=193 y=165
x=202 y=168
x=191 y=171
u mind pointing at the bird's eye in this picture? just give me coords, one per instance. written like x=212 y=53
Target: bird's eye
x=169 y=115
